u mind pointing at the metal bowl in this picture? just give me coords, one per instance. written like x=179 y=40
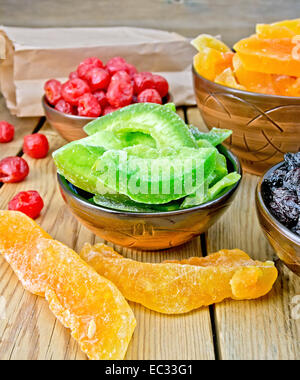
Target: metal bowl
x=285 y=242
x=265 y=127
x=150 y=231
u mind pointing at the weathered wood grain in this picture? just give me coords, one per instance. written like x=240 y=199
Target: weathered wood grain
x=262 y=329
x=32 y=332
x=22 y=127
x=233 y=19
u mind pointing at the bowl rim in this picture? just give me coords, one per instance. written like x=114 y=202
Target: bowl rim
x=48 y=107
x=207 y=205
x=286 y=232
x=245 y=92
x=62 y=114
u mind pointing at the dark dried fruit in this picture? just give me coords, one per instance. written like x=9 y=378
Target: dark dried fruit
x=281 y=192
x=285 y=206
x=292 y=161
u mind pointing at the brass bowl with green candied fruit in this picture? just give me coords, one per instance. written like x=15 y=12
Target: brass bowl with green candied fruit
x=145 y=179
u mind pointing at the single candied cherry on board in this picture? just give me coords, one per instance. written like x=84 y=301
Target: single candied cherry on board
x=64 y=107
x=27 y=202
x=7 y=132
x=88 y=64
x=88 y=106
x=36 y=145
x=101 y=97
x=149 y=96
x=73 y=89
x=13 y=170
x=143 y=81
x=53 y=91
x=120 y=90
x=98 y=79
x=161 y=85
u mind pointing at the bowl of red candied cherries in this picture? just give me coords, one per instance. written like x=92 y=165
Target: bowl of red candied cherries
x=95 y=90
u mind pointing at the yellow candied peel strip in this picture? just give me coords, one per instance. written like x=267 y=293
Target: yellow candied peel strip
x=179 y=287
x=91 y=306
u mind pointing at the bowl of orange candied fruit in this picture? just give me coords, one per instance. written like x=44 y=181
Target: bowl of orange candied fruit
x=253 y=89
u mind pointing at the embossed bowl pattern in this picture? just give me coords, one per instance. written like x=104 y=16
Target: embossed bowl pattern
x=265 y=127
x=150 y=231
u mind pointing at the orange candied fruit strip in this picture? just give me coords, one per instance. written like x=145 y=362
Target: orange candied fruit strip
x=252 y=80
x=209 y=63
x=282 y=29
x=93 y=308
x=270 y=56
x=271 y=84
x=179 y=287
x=207 y=41
x=227 y=78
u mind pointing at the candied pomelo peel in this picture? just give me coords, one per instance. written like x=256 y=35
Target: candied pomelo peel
x=179 y=287
x=90 y=305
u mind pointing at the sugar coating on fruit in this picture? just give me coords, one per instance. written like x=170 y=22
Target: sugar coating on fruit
x=89 y=305
x=179 y=287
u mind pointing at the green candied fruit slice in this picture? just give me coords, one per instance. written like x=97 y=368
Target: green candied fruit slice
x=75 y=161
x=110 y=140
x=171 y=107
x=120 y=203
x=216 y=136
x=162 y=177
x=159 y=122
x=223 y=185
x=217 y=190
x=220 y=171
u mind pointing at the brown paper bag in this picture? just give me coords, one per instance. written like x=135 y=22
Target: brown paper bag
x=29 y=57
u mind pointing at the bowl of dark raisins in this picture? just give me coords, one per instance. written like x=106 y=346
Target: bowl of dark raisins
x=278 y=207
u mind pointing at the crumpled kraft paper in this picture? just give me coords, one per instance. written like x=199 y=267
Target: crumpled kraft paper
x=29 y=57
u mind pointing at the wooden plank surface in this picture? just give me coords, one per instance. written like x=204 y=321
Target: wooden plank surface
x=233 y=19
x=30 y=331
x=262 y=329
x=23 y=127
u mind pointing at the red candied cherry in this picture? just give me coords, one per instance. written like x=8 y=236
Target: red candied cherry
x=88 y=64
x=64 y=107
x=116 y=64
x=98 y=79
x=102 y=99
x=143 y=81
x=149 y=96
x=13 y=170
x=73 y=75
x=131 y=70
x=36 y=145
x=53 y=91
x=88 y=106
x=29 y=203
x=161 y=85
x=110 y=109
x=73 y=89
x=7 y=132
x=120 y=90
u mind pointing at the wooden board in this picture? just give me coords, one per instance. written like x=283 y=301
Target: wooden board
x=30 y=331
x=262 y=329
x=23 y=127
x=233 y=19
